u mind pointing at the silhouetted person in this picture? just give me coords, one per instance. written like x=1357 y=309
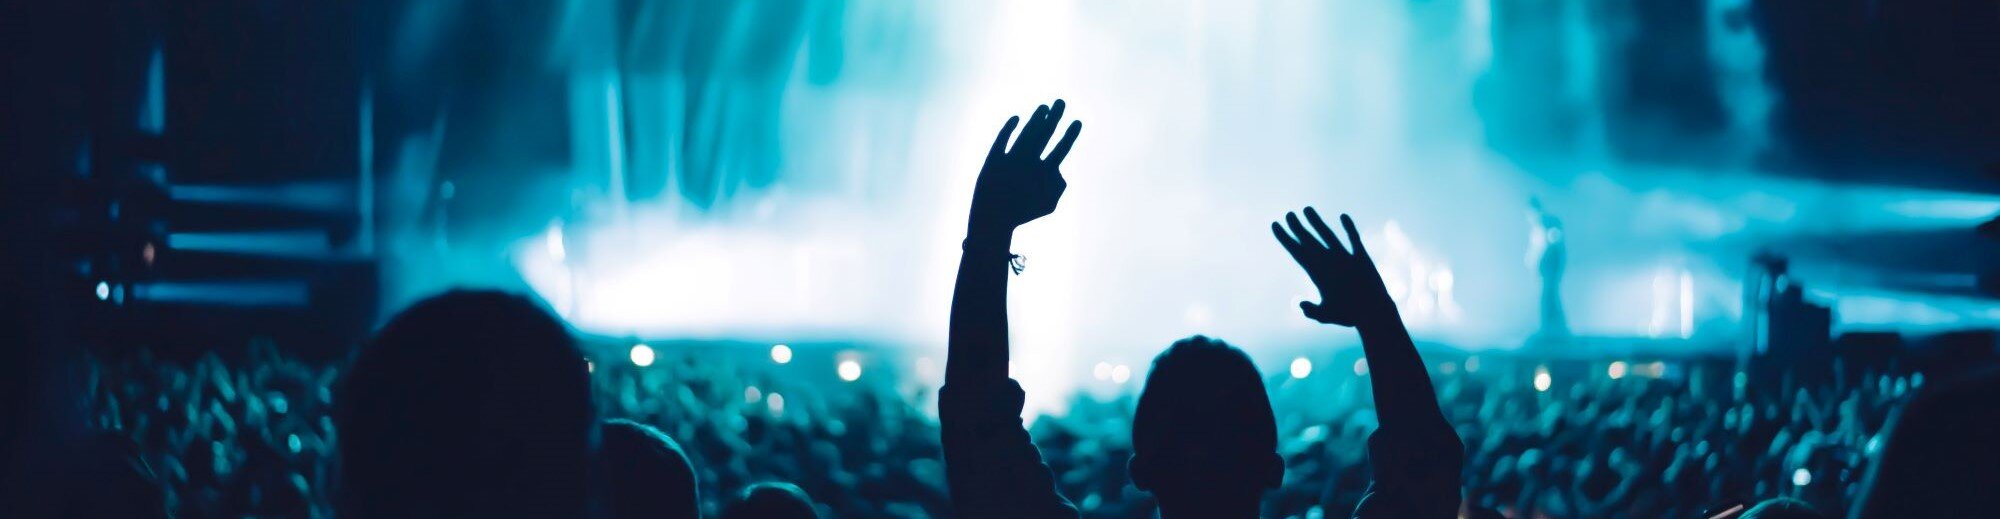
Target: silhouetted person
x=771 y=501
x=1204 y=440
x=645 y=474
x=991 y=466
x=467 y=404
x=1941 y=458
x=1548 y=249
x=1782 y=508
x=1414 y=456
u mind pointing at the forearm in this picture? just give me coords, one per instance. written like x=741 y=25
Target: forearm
x=1403 y=394
x=977 y=342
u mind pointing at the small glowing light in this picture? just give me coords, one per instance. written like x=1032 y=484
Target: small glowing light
x=1121 y=373
x=642 y=355
x=1102 y=371
x=781 y=354
x=849 y=370
x=1301 y=368
x=103 y=291
x=776 y=403
x=1801 y=477
x=590 y=366
x=1617 y=370
x=1448 y=368
x=1472 y=364
x=1656 y=369
x=292 y=442
x=1542 y=379
x=752 y=394
x=1360 y=367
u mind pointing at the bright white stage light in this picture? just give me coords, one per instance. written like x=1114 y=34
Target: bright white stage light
x=781 y=354
x=642 y=355
x=1542 y=379
x=1301 y=368
x=850 y=370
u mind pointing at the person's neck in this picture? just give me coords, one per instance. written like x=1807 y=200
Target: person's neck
x=1210 y=507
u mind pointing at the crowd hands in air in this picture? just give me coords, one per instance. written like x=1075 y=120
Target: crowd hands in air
x=416 y=427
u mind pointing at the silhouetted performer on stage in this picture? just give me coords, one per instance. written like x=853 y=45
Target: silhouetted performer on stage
x=1548 y=251
x=1204 y=439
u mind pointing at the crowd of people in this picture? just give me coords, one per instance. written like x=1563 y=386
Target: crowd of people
x=480 y=403
x=255 y=438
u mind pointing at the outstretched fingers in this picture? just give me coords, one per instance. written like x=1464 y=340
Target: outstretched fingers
x=1290 y=244
x=1299 y=230
x=1353 y=236
x=1000 y=142
x=1325 y=232
x=1062 y=146
x=1035 y=134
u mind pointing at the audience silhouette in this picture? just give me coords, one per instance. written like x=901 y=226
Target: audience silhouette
x=771 y=501
x=1940 y=460
x=1782 y=508
x=1415 y=457
x=467 y=404
x=644 y=474
x=1203 y=437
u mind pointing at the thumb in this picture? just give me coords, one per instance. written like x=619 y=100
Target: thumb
x=1312 y=310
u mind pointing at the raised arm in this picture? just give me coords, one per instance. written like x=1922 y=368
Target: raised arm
x=1415 y=456
x=992 y=467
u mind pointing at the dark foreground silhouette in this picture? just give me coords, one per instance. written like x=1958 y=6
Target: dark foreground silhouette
x=468 y=404
x=1203 y=437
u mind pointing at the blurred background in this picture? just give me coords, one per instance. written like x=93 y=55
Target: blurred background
x=1790 y=200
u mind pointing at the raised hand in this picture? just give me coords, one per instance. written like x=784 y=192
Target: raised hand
x=1350 y=290
x=1018 y=185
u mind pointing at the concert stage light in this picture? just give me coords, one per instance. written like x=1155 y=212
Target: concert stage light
x=642 y=355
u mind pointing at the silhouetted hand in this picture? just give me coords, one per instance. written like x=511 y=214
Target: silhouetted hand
x=1350 y=290
x=1019 y=185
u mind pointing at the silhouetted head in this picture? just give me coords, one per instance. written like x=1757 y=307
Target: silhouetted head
x=467 y=404
x=1940 y=459
x=771 y=501
x=645 y=474
x=1204 y=441
x=1782 y=508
